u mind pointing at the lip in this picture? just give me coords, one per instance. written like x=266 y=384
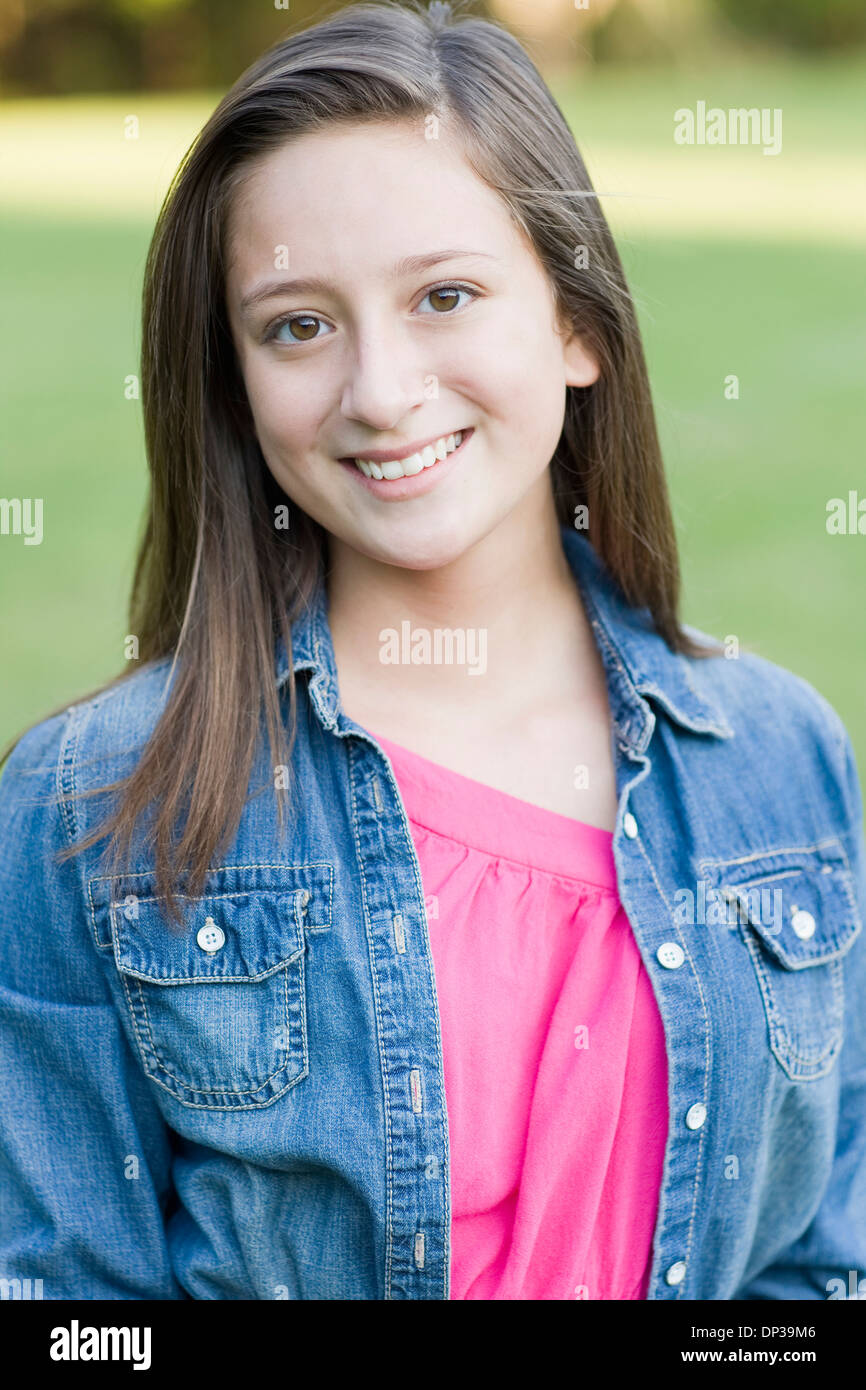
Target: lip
x=383 y=455
x=399 y=489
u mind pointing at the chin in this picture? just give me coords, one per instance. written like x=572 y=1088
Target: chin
x=415 y=550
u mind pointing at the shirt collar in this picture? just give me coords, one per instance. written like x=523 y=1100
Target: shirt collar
x=638 y=662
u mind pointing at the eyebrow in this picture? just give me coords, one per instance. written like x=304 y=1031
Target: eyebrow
x=410 y=265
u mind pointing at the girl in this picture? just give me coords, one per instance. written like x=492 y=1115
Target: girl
x=428 y=914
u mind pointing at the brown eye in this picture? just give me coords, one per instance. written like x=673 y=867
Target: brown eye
x=443 y=300
x=446 y=298
x=303 y=328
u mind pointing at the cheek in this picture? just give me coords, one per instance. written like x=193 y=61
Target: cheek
x=518 y=362
x=283 y=413
x=530 y=402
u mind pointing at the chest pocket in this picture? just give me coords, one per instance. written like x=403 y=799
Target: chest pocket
x=798 y=918
x=218 y=1011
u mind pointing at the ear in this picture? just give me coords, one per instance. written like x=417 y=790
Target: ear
x=581 y=365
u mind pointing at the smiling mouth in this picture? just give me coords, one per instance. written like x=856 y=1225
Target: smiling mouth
x=392 y=469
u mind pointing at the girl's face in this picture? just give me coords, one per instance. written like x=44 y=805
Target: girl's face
x=382 y=299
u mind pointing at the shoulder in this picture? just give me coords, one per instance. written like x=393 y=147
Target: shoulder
x=753 y=691
x=90 y=742
x=777 y=718
x=47 y=923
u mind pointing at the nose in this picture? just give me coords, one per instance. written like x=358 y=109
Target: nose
x=384 y=381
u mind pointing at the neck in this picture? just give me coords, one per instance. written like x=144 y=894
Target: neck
x=510 y=607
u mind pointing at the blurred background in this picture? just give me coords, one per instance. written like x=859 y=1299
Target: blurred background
x=743 y=265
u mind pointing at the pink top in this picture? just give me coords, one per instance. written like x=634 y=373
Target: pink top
x=553 y=1047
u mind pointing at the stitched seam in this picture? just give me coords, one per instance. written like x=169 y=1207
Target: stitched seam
x=788 y=1057
x=222 y=868
x=100 y=945
x=635 y=680
x=773 y=854
x=419 y=889
x=841 y=878
x=167 y=981
x=215 y=1103
x=328 y=877
x=133 y=1015
x=65 y=774
x=185 y=1085
x=768 y=878
x=302 y=1010
x=65 y=779
x=701 y=723
x=218 y=897
x=614 y=656
x=383 y=1061
x=225 y=1090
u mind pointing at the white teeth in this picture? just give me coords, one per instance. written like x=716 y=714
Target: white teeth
x=415 y=463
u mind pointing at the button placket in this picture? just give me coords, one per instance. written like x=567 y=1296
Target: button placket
x=672 y=956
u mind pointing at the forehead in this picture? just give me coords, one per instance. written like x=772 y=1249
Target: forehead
x=348 y=193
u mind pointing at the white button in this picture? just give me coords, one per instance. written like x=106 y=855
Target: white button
x=677 y=1273
x=670 y=955
x=803 y=924
x=695 y=1115
x=629 y=825
x=210 y=937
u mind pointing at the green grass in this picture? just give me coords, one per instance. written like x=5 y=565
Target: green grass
x=750 y=478
x=821 y=100
x=69 y=436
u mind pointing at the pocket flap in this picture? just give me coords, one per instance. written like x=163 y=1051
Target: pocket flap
x=801 y=902
x=248 y=922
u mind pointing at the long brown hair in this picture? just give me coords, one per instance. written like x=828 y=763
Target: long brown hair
x=216 y=582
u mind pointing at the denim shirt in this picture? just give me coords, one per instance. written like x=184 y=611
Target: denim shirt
x=255 y=1109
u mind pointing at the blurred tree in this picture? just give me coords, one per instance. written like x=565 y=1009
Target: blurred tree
x=55 y=46
x=800 y=23
x=574 y=32
x=64 y=46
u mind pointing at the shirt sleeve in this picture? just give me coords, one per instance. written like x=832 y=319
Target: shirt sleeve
x=85 y=1156
x=829 y=1260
